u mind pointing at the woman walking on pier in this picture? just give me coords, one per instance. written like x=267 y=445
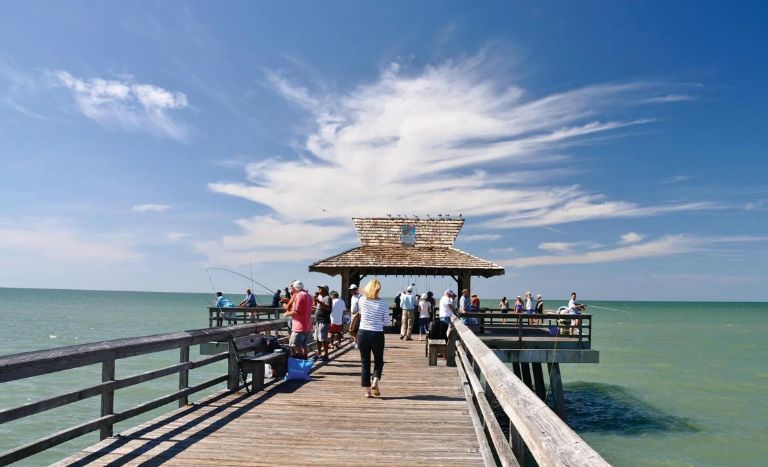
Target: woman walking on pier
x=374 y=314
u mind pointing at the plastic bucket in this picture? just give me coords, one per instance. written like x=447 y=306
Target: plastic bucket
x=553 y=330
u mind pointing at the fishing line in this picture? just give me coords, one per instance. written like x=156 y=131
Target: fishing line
x=271 y=291
x=609 y=309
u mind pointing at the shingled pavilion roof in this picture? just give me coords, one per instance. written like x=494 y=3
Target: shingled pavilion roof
x=410 y=246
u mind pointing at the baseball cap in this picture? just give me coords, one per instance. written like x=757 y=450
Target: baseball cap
x=298 y=285
x=353 y=287
x=324 y=286
x=410 y=288
x=449 y=292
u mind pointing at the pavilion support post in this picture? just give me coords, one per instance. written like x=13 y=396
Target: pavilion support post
x=344 y=291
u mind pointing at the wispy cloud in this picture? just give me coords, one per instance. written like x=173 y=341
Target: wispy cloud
x=176 y=236
x=677 y=179
x=265 y=239
x=465 y=131
x=54 y=240
x=479 y=237
x=152 y=207
x=631 y=237
x=665 y=246
x=667 y=98
x=565 y=247
x=126 y=104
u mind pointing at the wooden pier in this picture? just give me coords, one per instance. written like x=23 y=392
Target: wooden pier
x=426 y=415
x=422 y=417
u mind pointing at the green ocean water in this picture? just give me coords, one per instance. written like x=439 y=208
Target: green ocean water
x=679 y=383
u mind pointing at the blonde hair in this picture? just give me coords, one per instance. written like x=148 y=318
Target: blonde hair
x=371 y=289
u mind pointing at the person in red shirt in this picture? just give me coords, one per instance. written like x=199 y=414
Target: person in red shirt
x=299 y=309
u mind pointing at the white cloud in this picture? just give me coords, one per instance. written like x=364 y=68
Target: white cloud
x=670 y=98
x=564 y=247
x=152 y=207
x=126 y=104
x=664 y=246
x=479 y=237
x=459 y=135
x=266 y=239
x=631 y=237
x=176 y=236
x=677 y=179
x=52 y=240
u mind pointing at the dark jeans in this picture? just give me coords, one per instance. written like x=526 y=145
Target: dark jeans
x=367 y=342
x=424 y=325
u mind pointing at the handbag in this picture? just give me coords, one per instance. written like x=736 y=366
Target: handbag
x=298 y=369
x=354 y=324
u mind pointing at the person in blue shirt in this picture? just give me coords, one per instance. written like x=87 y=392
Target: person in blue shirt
x=249 y=300
x=230 y=315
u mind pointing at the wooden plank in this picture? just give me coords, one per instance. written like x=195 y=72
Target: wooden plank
x=549 y=439
x=28 y=364
x=107 y=396
x=504 y=451
x=183 y=374
x=226 y=429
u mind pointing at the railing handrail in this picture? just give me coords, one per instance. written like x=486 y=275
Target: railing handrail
x=38 y=362
x=547 y=437
x=499 y=314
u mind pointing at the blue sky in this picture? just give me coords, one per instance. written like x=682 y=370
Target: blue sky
x=614 y=149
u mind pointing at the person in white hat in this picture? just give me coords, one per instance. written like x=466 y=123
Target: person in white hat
x=299 y=309
x=408 y=304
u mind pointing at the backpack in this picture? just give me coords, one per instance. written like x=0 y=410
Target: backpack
x=439 y=330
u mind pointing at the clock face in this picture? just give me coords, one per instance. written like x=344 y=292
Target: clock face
x=408 y=234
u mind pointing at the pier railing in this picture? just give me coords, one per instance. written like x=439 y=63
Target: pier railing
x=31 y=364
x=575 y=328
x=239 y=315
x=534 y=430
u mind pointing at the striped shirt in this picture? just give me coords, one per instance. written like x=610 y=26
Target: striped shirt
x=374 y=314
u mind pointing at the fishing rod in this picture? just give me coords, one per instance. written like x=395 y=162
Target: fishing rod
x=271 y=291
x=606 y=308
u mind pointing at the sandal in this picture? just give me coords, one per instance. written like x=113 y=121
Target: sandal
x=376 y=391
x=367 y=396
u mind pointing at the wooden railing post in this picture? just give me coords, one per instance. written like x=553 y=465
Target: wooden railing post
x=233 y=381
x=107 y=396
x=184 y=374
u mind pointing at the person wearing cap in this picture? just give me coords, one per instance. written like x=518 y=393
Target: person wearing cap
x=539 y=304
x=530 y=306
x=323 y=306
x=336 y=329
x=464 y=302
x=299 y=309
x=447 y=306
x=408 y=304
x=575 y=308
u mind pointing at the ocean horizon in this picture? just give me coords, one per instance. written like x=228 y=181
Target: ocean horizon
x=678 y=383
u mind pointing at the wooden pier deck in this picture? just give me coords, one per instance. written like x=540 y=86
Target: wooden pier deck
x=422 y=417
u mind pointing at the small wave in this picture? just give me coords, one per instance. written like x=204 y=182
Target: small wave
x=52 y=336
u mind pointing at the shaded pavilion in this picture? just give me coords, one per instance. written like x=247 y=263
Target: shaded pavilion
x=406 y=247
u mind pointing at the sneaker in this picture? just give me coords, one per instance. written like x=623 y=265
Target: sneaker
x=402 y=337
x=408 y=339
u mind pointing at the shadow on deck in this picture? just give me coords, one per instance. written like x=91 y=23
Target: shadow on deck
x=324 y=421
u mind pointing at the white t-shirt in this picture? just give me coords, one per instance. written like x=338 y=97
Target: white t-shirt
x=463 y=304
x=572 y=307
x=446 y=306
x=354 y=305
x=424 y=307
x=337 y=311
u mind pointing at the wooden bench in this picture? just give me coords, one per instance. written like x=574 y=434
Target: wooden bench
x=256 y=343
x=446 y=347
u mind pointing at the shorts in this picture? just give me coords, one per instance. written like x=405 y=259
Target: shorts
x=321 y=332
x=298 y=339
x=336 y=329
